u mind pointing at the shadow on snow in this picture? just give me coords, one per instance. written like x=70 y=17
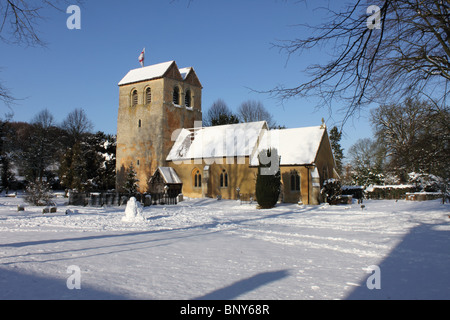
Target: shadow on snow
x=246 y=285
x=19 y=286
x=205 y=226
x=417 y=268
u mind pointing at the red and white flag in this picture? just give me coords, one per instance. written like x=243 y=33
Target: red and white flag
x=142 y=58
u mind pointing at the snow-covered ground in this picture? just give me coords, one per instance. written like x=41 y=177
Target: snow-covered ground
x=209 y=249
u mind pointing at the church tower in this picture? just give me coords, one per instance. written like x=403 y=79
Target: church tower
x=154 y=101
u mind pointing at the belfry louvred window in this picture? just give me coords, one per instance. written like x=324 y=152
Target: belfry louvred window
x=187 y=99
x=148 y=96
x=134 y=98
x=176 y=96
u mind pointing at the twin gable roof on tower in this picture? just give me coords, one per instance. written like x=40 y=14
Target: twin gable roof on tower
x=161 y=70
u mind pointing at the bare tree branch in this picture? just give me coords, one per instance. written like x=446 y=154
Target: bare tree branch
x=408 y=55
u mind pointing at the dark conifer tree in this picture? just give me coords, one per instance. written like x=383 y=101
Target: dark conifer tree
x=268 y=179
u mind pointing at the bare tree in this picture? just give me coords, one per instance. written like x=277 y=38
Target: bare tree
x=44 y=119
x=252 y=110
x=77 y=124
x=400 y=50
x=18 y=21
x=219 y=114
x=416 y=136
x=5 y=95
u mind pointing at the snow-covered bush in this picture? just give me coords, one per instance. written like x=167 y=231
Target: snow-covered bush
x=380 y=192
x=331 y=190
x=38 y=193
x=426 y=182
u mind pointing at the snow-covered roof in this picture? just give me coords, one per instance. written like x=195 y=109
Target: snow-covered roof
x=169 y=175
x=146 y=73
x=184 y=72
x=298 y=146
x=153 y=72
x=232 y=140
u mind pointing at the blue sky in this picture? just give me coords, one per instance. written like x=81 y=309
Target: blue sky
x=229 y=44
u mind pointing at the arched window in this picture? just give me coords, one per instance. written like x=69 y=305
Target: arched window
x=224 y=179
x=197 y=178
x=134 y=98
x=176 y=96
x=295 y=181
x=187 y=99
x=148 y=95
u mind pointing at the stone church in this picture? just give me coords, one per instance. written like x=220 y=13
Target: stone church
x=159 y=133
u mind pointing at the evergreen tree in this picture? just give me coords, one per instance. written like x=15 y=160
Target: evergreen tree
x=338 y=152
x=367 y=158
x=76 y=167
x=41 y=151
x=79 y=167
x=78 y=160
x=6 y=135
x=268 y=184
x=131 y=184
x=65 y=169
x=38 y=146
x=90 y=163
x=7 y=176
x=105 y=176
x=224 y=119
